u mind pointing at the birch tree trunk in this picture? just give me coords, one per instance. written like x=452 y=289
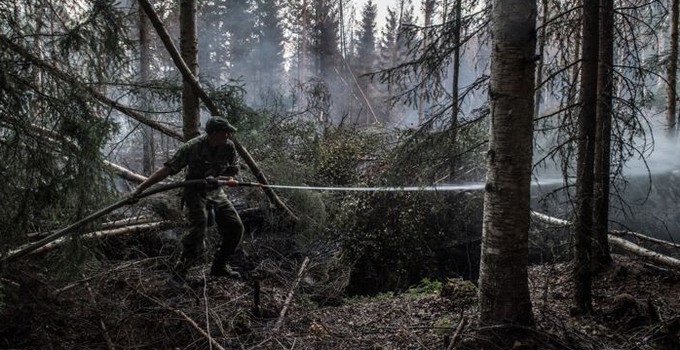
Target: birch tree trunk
x=583 y=223
x=188 y=48
x=503 y=281
x=601 y=255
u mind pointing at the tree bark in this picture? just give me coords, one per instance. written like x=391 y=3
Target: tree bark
x=503 y=281
x=601 y=255
x=453 y=126
x=671 y=112
x=148 y=146
x=583 y=225
x=188 y=46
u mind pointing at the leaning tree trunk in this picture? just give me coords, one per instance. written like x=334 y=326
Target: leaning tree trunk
x=671 y=112
x=601 y=255
x=188 y=48
x=583 y=223
x=503 y=281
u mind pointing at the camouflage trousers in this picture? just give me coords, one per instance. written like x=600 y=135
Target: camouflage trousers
x=228 y=222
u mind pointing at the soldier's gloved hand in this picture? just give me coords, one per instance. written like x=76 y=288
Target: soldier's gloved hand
x=211 y=183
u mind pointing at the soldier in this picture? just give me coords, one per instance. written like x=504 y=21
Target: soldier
x=210 y=156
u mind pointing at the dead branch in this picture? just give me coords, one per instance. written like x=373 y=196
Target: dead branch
x=188 y=319
x=214 y=110
x=618 y=242
x=457 y=333
x=125 y=173
x=289 y=298
x=102 y=325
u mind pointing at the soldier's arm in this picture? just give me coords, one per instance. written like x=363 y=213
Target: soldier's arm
x=157 y=176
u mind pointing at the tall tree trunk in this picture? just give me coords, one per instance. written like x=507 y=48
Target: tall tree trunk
x=541 y=58
x=671 y=113
x=148 y=146
x=453 y=127
x=583 y=223
x=188 y=48
x=503 y=280
x=601 y=255
x=428 y=11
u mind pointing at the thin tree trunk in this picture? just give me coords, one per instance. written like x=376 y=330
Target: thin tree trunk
x=148 y=146
x=188 y=48
x=671 y=112
x=541 y=59
x=428 y=11
x=453 y=127
x=503 y=281
x=601 y=255
x=583 y=225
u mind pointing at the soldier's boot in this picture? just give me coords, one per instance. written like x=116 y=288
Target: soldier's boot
x=220 y=267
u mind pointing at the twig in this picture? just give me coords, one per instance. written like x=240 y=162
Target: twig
x=207 y=309
x=289 y=298
x=457 y=333
x=102 y=325
x=193 y=323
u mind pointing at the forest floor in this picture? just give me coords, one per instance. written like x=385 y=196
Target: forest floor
x=128 y=304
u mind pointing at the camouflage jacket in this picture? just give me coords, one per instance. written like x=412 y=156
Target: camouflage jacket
x=202 y=160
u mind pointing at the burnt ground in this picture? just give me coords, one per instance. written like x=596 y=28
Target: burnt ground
x=128 y=304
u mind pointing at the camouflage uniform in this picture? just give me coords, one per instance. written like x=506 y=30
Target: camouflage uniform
x=204 y=161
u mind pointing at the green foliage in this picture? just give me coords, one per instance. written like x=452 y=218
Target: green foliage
x=460 y=291
x=52 y=132
x=426 y=286
x=395 y=239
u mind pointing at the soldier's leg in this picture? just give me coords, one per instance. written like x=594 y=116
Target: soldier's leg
x=193 y=248
x=231 y=229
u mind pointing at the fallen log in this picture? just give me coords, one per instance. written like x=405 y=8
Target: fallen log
x=621 y=233
x=29 y=248
x=618 y=242
x=129 y=222
x=136 y=229
x=644 y=252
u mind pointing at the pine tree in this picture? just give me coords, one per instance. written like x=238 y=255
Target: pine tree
x=366 y=59
x=324 y=39
x=393 y=50
x=268 y=48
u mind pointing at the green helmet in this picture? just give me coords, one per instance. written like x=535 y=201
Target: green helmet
x=218 y=124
